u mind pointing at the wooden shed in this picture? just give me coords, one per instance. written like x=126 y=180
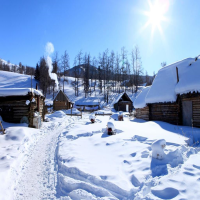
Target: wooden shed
x=123 y=103
x=62 y=102
x=19 y=105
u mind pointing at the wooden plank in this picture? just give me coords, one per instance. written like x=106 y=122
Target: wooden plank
x=2 y=129
x=103 y=114
x=74 y=114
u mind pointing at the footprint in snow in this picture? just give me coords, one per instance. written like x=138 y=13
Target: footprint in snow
x=167 y=193
x=135 y=181
x=145 y=154
x=197 y=167
x=133 y=154
x=127 y=162
x=189 y=174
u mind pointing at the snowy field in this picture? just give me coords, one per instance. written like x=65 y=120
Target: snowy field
x=70 y=158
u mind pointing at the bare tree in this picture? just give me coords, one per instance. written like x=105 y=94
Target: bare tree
x=112 y=63
x=77 y=72
x=163 y=64
x=123 y=68
x=138 y=68
x=55 y=63
x=117 y=72
x=86 y=73
x=65 y=65
x=20 y=68
x=133 y=70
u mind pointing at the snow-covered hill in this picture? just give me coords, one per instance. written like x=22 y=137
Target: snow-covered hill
x=15 y=80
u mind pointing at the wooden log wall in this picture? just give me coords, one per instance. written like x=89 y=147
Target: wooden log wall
x=60 y=105
x=170 y=113
x=34 y=107
x=195 y=98
x=13 y=111
x=121 y=106
x=142 y=113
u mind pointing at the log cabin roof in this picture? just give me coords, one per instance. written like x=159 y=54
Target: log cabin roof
x=61 y=96
x=123 y=96
x=166 y=87
x=140 y=101
x=6 y=92
x=90 y=101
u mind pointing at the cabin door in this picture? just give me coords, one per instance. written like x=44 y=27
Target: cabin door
x=187 y=113
x=127 y=108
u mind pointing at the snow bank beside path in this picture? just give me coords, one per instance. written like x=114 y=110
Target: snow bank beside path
x=27 y=159
x=13 y=145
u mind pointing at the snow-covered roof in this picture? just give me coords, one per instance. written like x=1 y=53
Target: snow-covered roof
x=18 y=92
x=189 y=78
x=140 y=101
x=164 y=84
x=60 y=91
x=120 y=96
x=91 y=101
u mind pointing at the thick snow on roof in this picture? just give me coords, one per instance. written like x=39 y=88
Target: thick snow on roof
x=18 y=92
x=119 y=97
x=91 y=101
x=163 y=87
x=189 y=78
x=140 y=99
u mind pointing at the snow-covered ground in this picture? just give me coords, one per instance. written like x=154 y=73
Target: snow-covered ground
x=70 y=158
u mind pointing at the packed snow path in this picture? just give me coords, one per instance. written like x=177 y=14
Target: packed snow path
x=37 y=179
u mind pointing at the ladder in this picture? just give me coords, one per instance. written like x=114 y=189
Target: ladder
x=1 y=128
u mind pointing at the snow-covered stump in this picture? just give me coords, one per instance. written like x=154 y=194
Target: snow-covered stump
x=92 y=118
x=111 y=128
x=158 y=149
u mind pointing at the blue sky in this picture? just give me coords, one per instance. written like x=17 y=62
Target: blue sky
x=93 y=26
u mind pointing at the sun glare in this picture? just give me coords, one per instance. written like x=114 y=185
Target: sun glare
x=156 y=14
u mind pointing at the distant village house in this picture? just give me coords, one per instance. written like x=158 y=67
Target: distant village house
x=88 y=104
x=123 y=103
x=62 y=102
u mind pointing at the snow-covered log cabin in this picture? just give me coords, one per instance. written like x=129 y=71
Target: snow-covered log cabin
x=88 y=104
x=141 y=108
x=174 y=95
x=61 y=101
x=188 y=89
x=123 y=103
x=19 y=105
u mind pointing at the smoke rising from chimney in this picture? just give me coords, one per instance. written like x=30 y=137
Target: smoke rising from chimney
x=49 y=49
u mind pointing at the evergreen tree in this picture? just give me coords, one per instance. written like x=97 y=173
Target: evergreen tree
x=37 y=73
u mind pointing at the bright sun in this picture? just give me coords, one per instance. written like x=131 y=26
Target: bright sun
x=156 y=13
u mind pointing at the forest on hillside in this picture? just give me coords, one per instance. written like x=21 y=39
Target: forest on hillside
x=110 y=71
